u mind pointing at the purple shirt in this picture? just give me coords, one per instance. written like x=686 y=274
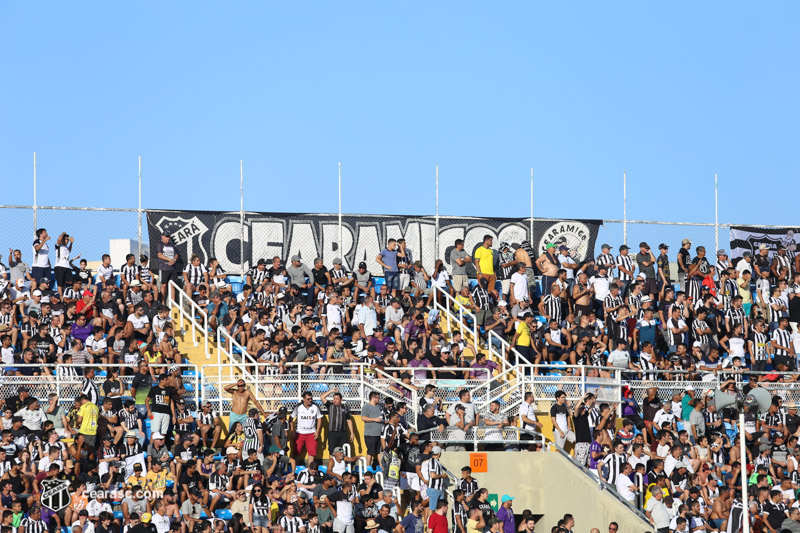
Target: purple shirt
x=595 y=447
x=419 y=374
x=380 y=345
x=82 y=333
x=483 y=374
x=507 y=518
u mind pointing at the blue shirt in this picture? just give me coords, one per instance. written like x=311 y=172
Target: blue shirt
x=223 y=310
x=412 y=524
x=389 y=257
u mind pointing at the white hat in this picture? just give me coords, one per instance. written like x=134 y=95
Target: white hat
x=697 y=344
x=436 y=450
x=503 y=303
x=37 y=292
x=645 y=298
x=156 y=436
x=231 y=450
x=763 y=247
x=136 y=283
x=689 y=388
x=280 y=296
x=220 y=283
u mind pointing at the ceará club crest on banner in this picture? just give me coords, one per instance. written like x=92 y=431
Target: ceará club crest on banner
x=574 y=235
x=55 y=494
x=185 y=231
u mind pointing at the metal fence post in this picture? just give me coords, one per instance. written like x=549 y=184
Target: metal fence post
x=35 y=224
x=241 y=217
x=436 y=242
x=624 y=207
x=140 y=206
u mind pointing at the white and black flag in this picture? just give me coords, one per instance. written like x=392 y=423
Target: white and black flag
x=55 y=494
x=219 y=235
x=750 y=238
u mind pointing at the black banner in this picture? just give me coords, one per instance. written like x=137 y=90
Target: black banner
x=219 y=234
x=750 y=239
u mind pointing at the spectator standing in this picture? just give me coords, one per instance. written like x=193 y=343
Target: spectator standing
x=506 y=515
x=484 y=263
x=340 y=422
x=459 y=259
x=387 y=258
x=40 y=267
x=307 y=422
x=168 y=258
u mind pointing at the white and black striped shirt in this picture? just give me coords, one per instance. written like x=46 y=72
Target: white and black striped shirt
x=261 y=506
x=674 y=338
x=218 y=482
x=128 y=419
x=612 y=301
x=615 y=463
x=774 y=314
x=432 y=466
x=29 y=525
x=784 y=262
x=552 y=306
x=782 y=337
x=195 y=274
x=481 y=297
x=145 y=274
x=290 y=524
x=625 y=261
x=90 y=390
x=71 y=294
x=735 y=316
x=129 y=272
x=605 y=259
x=698 y=325
x=760 y=341
x=257 y=275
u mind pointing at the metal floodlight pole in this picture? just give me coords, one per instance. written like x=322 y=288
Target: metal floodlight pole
x=241 y=216
x=436 y=243
x=743 y=460
x=624 y=207
x=341 y=244
x=532 y=206
x=716 y=213
x=35 y=225
x=140 y=206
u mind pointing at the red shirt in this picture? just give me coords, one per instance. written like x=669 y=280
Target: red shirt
x=437 y=523
x=87 y=309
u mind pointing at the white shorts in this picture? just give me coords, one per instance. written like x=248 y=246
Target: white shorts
x=412 y=481
x=506 y=286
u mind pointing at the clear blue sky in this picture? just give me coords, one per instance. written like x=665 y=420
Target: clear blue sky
x=671 y=92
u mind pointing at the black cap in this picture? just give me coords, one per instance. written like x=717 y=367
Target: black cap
x=163 y=376
x=362 y=264
x=663 y=246
x=624 y=247
x=261 y=262
x=643 y=245
x=44 y=280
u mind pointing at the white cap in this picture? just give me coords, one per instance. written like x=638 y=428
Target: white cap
x=436 y=450
x=231 y=450
x=157 y=436
x=645 y=298
x=503 y=303
x=37 y=292
x=689 y=388
x=697 y=344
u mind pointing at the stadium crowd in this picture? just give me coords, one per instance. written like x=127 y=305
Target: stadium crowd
x=175 y=464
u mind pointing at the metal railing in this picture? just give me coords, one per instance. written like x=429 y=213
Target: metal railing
x=191 y=312
x=611 y=489
x=68 y=387
x=456 y=314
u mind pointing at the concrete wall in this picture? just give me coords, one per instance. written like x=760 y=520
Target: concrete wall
x=549 y=485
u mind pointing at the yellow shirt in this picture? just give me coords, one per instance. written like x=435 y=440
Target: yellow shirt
x=157 y=482
x=136 y=480
x=524 y=331
x=88 y=412
x=461 y=300
x=485 y=258
x=744 y=291
x=472 y=526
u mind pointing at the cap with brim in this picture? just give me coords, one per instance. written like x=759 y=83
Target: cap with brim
x=721 y=252
x=747 y=254
x=643 y=245
x=763 y=247
x=337 y=260
x=604 y=246
x=295 y=258
x=130 y=434
x=136 y=283
x=436 y=450
x=686 y=241
x=338 y=450
x=646 y=298
x=549 y=245
x=371 y=524
x=274 y=449
x=506 y=498
x=562 y=248
x=187 y=437
x=157 y=436
x=624 y=247
x=697 y=344
x=231 y=450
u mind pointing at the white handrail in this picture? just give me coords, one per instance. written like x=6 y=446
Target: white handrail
x=461 y=312
x=225 y=338
x=197 y=310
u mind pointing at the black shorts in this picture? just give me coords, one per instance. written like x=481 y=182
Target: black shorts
x=164 y=277
x=373 y=445
x=63 y=276
x=336 y=439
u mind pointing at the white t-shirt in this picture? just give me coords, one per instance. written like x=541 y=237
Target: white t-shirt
x=138 y=322
x=334 y=314
x=7 y=355
x=520 y=282
x=601 y=285
x=62 y=256
x=104 y=273
x=97 y=345
x=526 y=410
x=662 y=416
x=161 y=522
x=306 y=418
x=659 y=512
x=623 y=487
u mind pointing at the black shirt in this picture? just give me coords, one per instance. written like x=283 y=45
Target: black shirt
x=374 y=491
x=160 y=399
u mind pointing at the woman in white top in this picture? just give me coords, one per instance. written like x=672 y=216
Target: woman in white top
x=63 y=270
x=734 y=343
x=441 y=279
x=40 y=266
